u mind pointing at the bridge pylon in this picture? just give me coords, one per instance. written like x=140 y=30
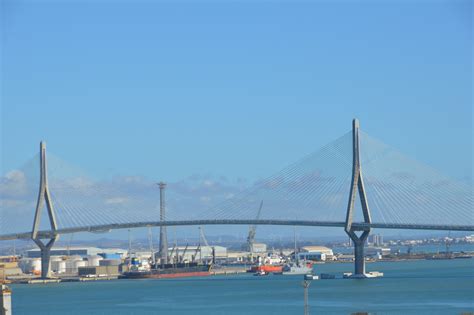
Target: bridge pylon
x=357 y=186
x=44 y=197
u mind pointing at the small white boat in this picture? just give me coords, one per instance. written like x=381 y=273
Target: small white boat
x=311 y=277
x=371 y=274
x=374 y=274
x=347 y=275
x=261 y=273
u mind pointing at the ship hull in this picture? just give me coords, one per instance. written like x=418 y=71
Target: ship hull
x=298 y=272
x=170 y=272
x=267 y=269
x=165 y=275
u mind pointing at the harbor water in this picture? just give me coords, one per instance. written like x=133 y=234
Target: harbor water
x=408 y=287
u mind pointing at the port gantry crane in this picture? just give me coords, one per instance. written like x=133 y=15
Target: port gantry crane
x=184 y=253
x=198 y=249
x=252 y=232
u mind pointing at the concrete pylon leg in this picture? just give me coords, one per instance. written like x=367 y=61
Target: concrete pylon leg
x=359 y=267
x=45 y=263
x=359 y=257
x=45 y=250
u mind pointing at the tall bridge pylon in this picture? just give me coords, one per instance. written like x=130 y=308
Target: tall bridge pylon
x=44 y=198
x=357 y=187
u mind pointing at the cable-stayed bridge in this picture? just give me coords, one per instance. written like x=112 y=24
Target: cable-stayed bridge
x=355 y=182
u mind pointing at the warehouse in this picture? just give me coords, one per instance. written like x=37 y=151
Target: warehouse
x=316 y=253
x=77 y=251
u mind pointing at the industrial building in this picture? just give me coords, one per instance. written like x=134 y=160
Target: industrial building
x=78 y=251
x=377 y=252
x=255 y=248
x=9 y=266
x=376 y=239
x=237 y=256
x=259 y=248
x=316 y=253
x=99 y=271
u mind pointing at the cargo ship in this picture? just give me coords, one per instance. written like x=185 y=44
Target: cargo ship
x=180 y=270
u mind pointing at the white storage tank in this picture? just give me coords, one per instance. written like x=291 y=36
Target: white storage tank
x=73 y=263
x=75 y=257
x=80 y=263
x=94 y=260
x=58 y=266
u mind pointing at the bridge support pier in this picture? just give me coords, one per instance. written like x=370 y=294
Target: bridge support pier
x=359 y=257
x=45 y=250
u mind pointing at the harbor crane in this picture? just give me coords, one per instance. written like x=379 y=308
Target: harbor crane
x=184 y=253
x=252 y=232
x=198 y=249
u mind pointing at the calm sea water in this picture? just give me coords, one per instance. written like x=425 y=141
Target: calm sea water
x=409 y=287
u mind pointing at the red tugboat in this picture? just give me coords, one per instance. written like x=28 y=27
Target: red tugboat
x=271 y=264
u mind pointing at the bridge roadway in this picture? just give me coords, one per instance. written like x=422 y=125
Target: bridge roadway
x=356 y=226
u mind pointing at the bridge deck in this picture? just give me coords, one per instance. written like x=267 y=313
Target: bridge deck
x=357 y=226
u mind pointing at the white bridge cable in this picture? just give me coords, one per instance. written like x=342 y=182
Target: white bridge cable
x=88 y=202
x=276 y=181
x=299 y=190
x=412 y=192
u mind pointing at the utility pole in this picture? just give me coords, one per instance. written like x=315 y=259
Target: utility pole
x=306 y=305
x=296 y=257
x=163 y=234
x=129 y=248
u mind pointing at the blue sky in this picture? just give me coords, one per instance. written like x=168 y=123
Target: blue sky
x=238 y=89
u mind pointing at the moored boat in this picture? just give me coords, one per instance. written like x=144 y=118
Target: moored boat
x=170 y=271
x=311 y=277
x=267 y=268
x=297 y=268
x=261 y=273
